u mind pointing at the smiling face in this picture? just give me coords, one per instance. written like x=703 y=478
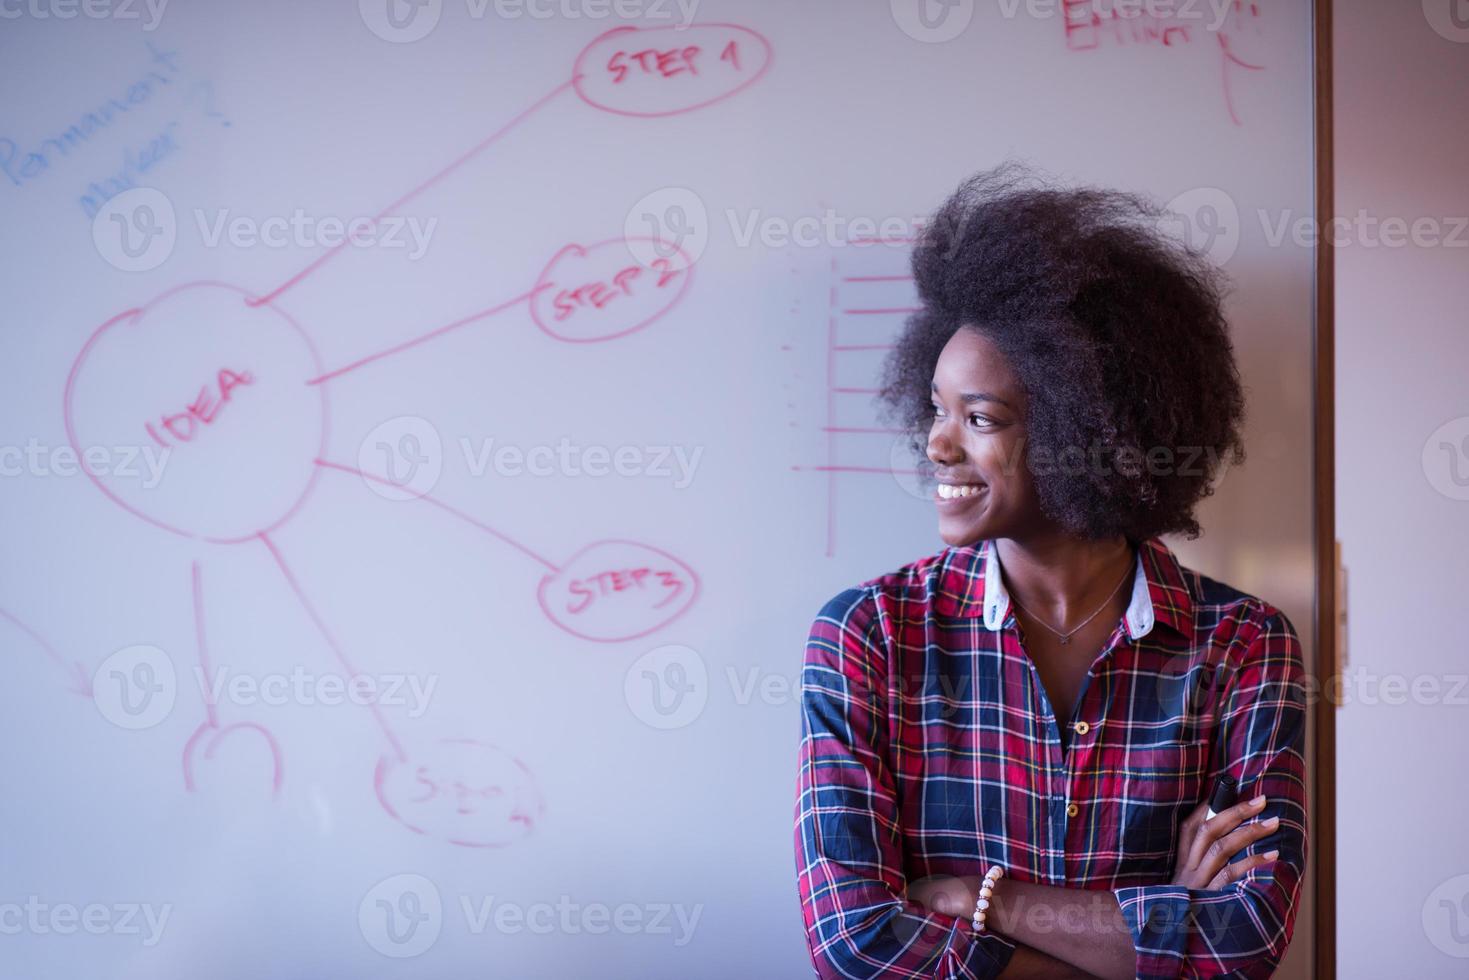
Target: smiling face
x=977 y=444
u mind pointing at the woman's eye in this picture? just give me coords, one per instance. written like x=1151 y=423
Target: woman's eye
x=980 y=422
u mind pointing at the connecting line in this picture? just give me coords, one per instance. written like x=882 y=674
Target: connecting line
x=463 y=159
x=78 y=680
x=211 y=711
x=432 y=334
x=211 y=726
x=857 y=469
x=1230 y=58
x=552 y=568
x=331 y=641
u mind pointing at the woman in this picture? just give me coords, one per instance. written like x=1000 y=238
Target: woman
x=1052 y=695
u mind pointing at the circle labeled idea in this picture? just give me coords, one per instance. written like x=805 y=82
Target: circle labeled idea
x=215 y=391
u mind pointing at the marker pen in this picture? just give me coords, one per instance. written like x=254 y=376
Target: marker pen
x=1223 y=797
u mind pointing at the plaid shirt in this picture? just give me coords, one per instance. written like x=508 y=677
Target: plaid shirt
x=929 y=747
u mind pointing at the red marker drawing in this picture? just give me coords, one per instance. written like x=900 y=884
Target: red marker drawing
x=231 y=386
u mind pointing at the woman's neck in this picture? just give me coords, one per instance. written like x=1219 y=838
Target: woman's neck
x=1063 y=578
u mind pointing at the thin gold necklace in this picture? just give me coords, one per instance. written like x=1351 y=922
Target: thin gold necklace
x=1066 y=637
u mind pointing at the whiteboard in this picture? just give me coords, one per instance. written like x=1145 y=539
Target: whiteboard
x=429 y=431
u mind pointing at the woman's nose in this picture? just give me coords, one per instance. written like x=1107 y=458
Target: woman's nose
x=941 y=449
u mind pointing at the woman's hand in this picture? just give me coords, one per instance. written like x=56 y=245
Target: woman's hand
x=1205 y=846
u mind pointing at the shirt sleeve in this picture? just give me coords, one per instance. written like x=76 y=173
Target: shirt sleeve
x=847 y=838
x=1244 y=929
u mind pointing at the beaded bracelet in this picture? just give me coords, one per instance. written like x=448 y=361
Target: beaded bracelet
x=986 y=889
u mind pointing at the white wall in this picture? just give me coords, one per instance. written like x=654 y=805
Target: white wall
x=1402 y=145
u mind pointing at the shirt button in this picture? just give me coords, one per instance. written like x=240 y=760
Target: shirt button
x=1072 y=809
x=1081 y=727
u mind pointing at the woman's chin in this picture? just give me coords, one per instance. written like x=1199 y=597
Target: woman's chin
x=958 y=535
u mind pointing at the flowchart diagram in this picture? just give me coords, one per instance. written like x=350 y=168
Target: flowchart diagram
x=224 y=378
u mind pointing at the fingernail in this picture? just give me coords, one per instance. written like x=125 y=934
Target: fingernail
x=1271 y=855
x=1271 y=822
x=1258 y=801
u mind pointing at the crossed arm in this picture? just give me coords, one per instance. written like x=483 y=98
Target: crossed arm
x=1059 y=932
x=1064 y=932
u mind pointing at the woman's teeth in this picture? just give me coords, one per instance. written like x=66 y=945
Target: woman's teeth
x=949 y=491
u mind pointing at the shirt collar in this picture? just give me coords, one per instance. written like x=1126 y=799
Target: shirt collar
x=970 y=585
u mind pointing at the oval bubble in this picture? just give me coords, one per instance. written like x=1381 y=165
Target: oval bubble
x=462 y=791
x=210 y=394
x=591 y=293
x=618 y=590
x=661 y=71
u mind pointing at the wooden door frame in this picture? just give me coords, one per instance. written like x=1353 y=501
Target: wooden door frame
x=1323 y=778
